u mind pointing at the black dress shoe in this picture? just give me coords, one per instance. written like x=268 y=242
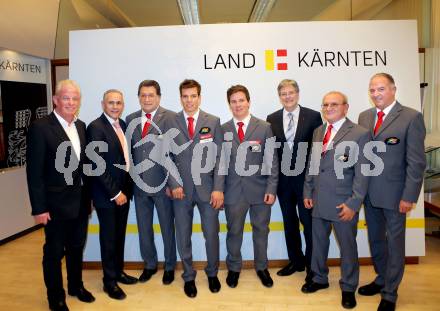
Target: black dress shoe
x=290 y=269
x=168 y=277
x=386 y=305
x=58 y=306
x=265 y=278
x=115 y=292
x=348 y=300
x=82 y=294
x=190 y=289
x=313 y=287
x=147 y=274
x=370 y=289
x=124 y=278
x=214 y=284
x=309 y=276
x=232 y=279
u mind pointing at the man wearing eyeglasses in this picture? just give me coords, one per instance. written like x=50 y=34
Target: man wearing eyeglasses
x=294 y=125
x=334 y=189
x=403 y=131
x=61 y=205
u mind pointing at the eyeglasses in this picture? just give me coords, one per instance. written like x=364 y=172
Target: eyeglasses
x=285 y=94
x=331 y=105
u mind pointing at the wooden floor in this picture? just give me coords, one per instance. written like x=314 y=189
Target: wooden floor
x=22 y=287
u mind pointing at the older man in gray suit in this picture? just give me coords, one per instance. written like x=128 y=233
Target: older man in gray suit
x=403 y=131
x=251 y=184
x=152 y=120
x=336 y=194
x=200 y=185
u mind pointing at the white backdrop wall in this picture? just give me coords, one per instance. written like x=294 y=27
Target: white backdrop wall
x=121 y=58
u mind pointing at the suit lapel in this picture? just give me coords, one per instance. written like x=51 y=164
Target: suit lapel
x=182 y=124
x=253 y=124
x=58 y=128
x=394 y=113
x=108 y=128
x=200 y=122
x=278 y=125
x=230 y=127
x=299 y=126
x=156 y=119
x=345 y=128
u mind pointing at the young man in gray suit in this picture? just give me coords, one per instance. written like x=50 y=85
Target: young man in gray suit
x=403 y=131
x=152 y=119
x=204 y=188
x=336 y=195
x=246 y=190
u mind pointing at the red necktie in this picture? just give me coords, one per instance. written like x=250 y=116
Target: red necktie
x=380 y=115
x=146 y=125
x=240 y=131
x=190 y=127
x=327 y=136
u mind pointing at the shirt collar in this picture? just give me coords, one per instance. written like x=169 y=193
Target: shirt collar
x=153 y=113
x=111 y=120
x=63 y=122
x=195 y=116
x=337 y=125
x=295 y=112
x=387 y=109
x=245 y=120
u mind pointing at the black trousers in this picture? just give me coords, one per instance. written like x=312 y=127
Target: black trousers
x=289 y=199
x=112 y=227
x=63 y=238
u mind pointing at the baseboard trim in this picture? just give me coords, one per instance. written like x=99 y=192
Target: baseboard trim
x=247 y=264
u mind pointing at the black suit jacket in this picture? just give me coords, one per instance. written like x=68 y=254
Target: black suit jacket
x=308 y=120
x=107 y=185
x=48 y=188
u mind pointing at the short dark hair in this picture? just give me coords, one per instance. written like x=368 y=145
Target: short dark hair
x=189 y=84
x=384 y=75
x=148 y=83
x=235 y=89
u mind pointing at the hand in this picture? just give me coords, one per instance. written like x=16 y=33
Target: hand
x=308 y=203
x=168 y=192
x=178 y=193
x=269 y=198
x=121 y=199
x=346 y=213
x=42 y=218
x=217 y=199
x=405 y=206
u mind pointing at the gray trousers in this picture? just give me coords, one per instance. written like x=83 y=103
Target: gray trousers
x=386 y=235
x=345 y=233
x=184 y=211
x=144 y=214
x=260 y=219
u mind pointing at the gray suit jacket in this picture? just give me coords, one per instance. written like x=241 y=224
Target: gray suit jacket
x=255 y=186
x=326 y=190
x=207 y=129
x=403 y=132
x=154 y=176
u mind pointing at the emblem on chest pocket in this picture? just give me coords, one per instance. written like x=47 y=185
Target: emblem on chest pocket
x=392 y=141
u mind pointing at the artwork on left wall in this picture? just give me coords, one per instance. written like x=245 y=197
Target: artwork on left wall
x=20 y=104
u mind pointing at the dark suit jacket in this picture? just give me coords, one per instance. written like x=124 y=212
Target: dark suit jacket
x=48 y=189
x=107 y=186
x=308 y=121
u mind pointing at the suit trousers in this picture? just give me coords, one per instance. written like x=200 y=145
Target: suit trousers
x=183 y=212
x=63 y=237
x=386 y=235
x=112 y=227
x=260 y=219
x=145 y=204
x=345 y=233
x=289 y=200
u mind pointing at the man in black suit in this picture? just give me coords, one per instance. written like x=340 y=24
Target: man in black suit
x=59 y=200
x=111 y=191
x=292 y=126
